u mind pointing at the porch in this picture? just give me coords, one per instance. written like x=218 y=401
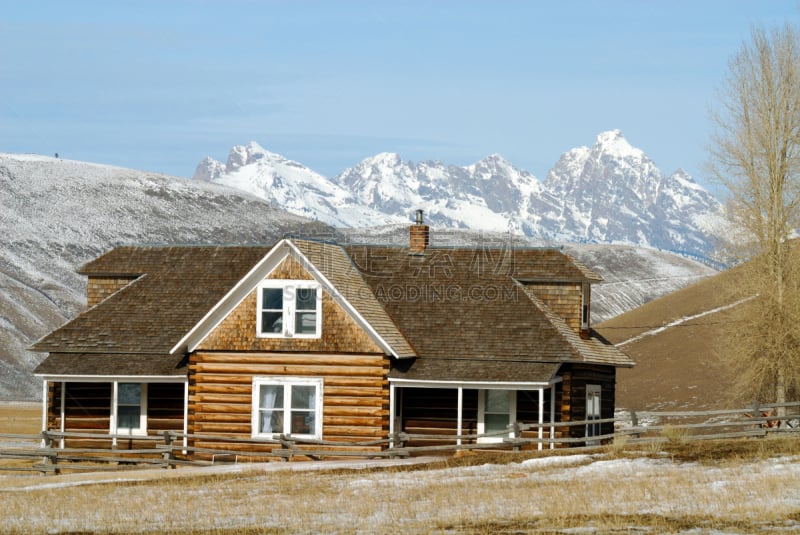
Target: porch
x=472 y=411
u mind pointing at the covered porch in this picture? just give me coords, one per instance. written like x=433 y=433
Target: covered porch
x=113 y=396
x=466 y=405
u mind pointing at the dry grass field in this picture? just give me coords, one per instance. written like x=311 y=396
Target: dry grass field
x=742 y=486
x=678 y=365
x=20 y=417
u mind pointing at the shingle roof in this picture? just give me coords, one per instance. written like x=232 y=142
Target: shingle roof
x=123 y=364
x=475 y=370
x=177 y=287
x=458 y=302
x=462 y=306
x=338 y=268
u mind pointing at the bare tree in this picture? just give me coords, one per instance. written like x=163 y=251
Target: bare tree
x=755 y=155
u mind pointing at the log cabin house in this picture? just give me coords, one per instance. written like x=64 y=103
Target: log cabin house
x=341 y=343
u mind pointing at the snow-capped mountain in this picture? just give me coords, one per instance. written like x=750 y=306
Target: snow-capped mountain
x=290 y=186
x=612 y=192
x=609 y=193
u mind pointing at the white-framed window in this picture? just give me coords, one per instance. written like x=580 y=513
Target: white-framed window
x=289 y=308
x=497 y=409
x=593 y=410
x=585 y=310
x=287 y=405
x=129 y=416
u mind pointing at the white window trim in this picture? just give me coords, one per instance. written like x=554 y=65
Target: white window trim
x=115 y=429
x=290 y=381
x=288 y=287
x=512 y=412
x=592 y=392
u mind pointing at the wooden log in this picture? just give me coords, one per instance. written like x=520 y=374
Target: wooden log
x=222 y=418
x=213 y=388
x=336 y=401
x=354 y=391
x=218 y=427
x=225 y=408
x=359 y=421
x=294 y=370
x=354 y=411
x=292 y=359
x=345 y=432
x=222 y=398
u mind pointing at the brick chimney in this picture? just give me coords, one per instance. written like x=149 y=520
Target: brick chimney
x=418 y=236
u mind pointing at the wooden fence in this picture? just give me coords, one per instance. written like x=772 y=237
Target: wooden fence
x=45 y=452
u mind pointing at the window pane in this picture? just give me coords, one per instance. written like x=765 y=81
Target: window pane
x=272 y=299
x=129 y=394
x=302 y=422
x=305 y=322
x=271 y=397
x=128 y=417
x=497 y=401
x=496 y=422
x=270 y=421
x=272 y=322
x=306 y=299
x=304 y=396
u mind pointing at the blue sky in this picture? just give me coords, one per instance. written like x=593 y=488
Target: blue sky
x=158 y=85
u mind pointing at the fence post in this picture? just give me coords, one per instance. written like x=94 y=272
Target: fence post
x=634 y=423
x=757 y=413
x=52 y=457
x=287 y=445
x=168 y=456
x=517 y=432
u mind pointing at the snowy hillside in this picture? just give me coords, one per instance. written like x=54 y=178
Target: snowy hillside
x=58 y=214
x=609 y=193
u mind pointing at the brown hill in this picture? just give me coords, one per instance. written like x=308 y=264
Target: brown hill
x=675 y=342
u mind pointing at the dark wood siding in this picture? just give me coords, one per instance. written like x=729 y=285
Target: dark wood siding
x=434 y=411
x=573 y=395
x=87 y=409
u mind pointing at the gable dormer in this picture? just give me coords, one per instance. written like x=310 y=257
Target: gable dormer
x=569 y=300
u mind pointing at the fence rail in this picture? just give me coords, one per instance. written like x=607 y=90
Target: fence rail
x=45 y=453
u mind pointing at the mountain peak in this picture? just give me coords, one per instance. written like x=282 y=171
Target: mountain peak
x=613 y=142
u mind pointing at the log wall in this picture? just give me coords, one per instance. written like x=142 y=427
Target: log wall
x=573 y=395
x=355 y=392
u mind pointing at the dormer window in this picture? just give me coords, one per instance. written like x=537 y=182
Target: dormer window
x=289 y=309
x=585 y=298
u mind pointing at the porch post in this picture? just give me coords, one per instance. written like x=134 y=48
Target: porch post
x=552 y=416
x=113 y=430
x=460 y=413
x=44 y=405
x=62 y=442
x=392 y=402
x=185 y=414
x=541 y=416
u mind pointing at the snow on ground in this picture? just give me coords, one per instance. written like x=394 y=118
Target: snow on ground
x=756 y=496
